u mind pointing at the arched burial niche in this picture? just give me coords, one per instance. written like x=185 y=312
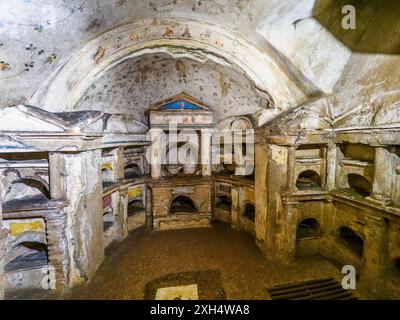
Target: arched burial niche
x=308 y=179
x=27 y=189
x=108 y=219
x=250 y=211
x=182 y=205
x=351 y=240
x=395 y=268
x=358 y=151
x=308 y=228
x=359 y=184
x=132 y=170
x=241 y=123
x=183 y=157
x=107 y=176
x=224 y=202
x=135 y=206
x=27 y=255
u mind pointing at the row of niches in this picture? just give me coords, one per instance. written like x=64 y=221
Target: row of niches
x=224 y=202
x=25 y=186
x=182 y=160
x=35 y=189
x=357 y=184
x=361 y=166
x=309 y=229
x=25 y=178
x=134 y=165
x=186 y=161
x=131 y=171
x=355 y=170
x=26 y=194
x=26 y=253
x=114 y=207
x=236 y=161
x=311 y=168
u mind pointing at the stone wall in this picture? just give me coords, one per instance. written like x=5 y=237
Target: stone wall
x=3 y=239
x=76 y=178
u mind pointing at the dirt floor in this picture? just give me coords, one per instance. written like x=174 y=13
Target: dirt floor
x=147 y=257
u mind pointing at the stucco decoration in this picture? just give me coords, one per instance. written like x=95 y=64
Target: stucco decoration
x=206 y=42
x=37 y=38
x=139 y=82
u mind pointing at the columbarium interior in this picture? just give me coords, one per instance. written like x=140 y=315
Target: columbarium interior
x=224 y=147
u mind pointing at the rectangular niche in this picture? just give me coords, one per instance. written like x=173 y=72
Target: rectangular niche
x=310 y=170
x=309 y=152
x=356 y=162
x=358 y=152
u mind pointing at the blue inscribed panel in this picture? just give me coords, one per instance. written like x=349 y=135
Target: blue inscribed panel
x=181 y=104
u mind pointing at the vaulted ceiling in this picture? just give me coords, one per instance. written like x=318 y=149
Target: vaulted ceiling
x=244 y=56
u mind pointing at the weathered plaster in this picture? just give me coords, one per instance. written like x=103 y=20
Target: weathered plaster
x=307 y=44
x=206 y=41
x=81 y=186
x=137 y=83
x=36 y=40
x=368 y=92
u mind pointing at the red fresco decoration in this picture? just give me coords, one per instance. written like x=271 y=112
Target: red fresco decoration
x=106 y=202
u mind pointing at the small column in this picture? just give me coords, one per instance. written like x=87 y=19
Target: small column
x=261 y=196
x=331 y=158
x=206 y=166
x=122 y=216
x=384 y=172
x=276 y=184
x=235 y=211
x=287 y=246
x=328 y=220
x=156 y=152
x=119 y=163
x=149 y=208
x=291 y=167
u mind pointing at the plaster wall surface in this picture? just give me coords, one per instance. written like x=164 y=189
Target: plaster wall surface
x=137 y=83
x=81 y=186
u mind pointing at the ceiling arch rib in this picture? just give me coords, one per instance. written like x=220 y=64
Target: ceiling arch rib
x=177 y=37
x=136 y=83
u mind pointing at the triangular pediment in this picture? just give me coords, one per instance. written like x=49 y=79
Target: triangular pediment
x=180 y=102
